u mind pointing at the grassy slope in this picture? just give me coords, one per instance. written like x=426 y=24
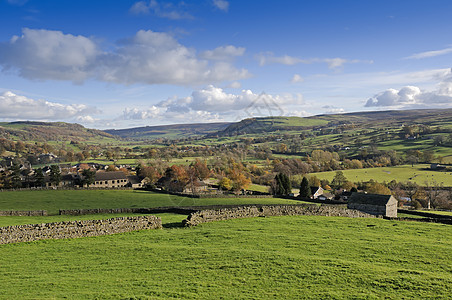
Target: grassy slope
x=405 y=173
x=52 y=200
x=260 y=258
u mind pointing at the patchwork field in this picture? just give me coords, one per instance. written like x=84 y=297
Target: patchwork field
x=260 y=258
x=419 y=174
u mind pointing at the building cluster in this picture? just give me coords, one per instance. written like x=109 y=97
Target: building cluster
x=67 y=176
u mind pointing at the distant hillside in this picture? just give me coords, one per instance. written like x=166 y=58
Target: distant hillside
x=176 y=131
x=54 y=131
x=270 y=124
x=376 y=118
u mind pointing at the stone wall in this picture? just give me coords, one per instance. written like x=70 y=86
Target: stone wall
x=76 y=229
x=23 y=213
x=211 y=215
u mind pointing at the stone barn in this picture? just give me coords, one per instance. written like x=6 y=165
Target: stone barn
x=380 y=205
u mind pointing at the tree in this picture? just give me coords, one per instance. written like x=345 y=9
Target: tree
x=55 y=175
x=89 y=176
x=374 y=187
x=338 y=180
x=39 y=177
x=150 y=174
x=305 y=189
x=111 y=168
x=282 y=185
x=225 y=183
x=239 y=181
x=200 y=169
x=15 y=179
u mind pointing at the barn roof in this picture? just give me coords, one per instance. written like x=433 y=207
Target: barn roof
x=110 y=175
x=370 y=199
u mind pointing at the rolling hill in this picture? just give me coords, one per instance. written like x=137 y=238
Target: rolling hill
x=30 y=131
x=176 y=131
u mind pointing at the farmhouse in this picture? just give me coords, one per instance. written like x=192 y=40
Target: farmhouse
x=135 y=181
x=384 y=205
x=110 y=180
x=316 y=191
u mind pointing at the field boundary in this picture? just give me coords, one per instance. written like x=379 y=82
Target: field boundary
x=76 y=229
x=21 y=213
x=212 y=215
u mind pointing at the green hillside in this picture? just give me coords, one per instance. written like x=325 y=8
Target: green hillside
x=52 y=131
x=177 y=131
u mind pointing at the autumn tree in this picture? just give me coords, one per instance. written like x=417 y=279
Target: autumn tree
x=225 y=184
x=239 y=180
x=373 y=187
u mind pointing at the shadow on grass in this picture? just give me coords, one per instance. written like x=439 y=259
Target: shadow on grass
x=172 y=225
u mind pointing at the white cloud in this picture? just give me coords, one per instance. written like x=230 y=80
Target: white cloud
x=18 y=107
x=214 y=104
x=46 y=54
x=86 y=119
x=148 y=57
x=430 y=53
x=410 y=96
x=298 y=113
x=330 y=109
x=221 y=4
x=223 y=53
x=296 y=78
x=161 y=9
x=333 y=63
x=136 y=114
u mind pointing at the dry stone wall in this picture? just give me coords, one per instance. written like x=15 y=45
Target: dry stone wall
x=76 y=229
x=211 y=215
x=21 y=213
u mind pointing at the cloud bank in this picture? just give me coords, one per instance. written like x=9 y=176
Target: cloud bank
x=18 y=107
x=147 y=57
x=214 y=104
x=412 y=96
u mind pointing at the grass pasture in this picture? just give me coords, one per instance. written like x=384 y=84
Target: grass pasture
x=259 y=258
x=53 y=200
x=418 y=174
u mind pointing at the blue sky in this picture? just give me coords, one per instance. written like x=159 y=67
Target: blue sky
x=118 y=64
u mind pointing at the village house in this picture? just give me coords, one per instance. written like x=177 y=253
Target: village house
x=110 y=180
x=380 y=205
x=316 y=191
x=135 y=181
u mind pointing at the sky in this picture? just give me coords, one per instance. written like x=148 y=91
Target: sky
x=125 y=63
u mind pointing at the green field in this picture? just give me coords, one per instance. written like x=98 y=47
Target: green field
x=418 y=174
x=258 y=258
x=53 y=200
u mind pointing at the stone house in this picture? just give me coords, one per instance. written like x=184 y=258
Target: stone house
x=135 y=181
x=110 y=180
x=316 y=191
x=382 y=205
